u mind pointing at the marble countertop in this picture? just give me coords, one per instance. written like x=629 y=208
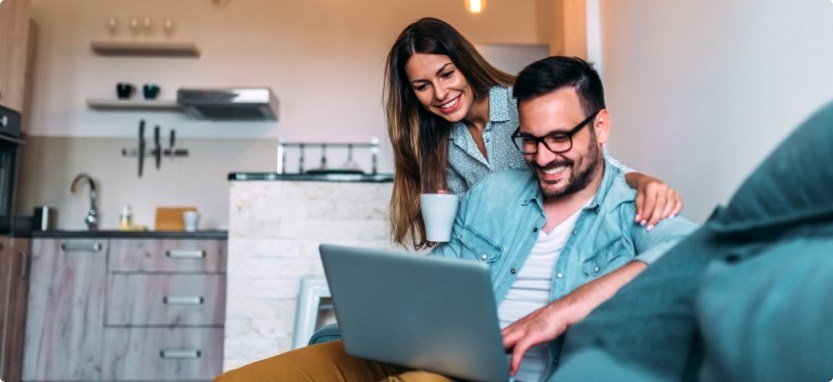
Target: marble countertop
x=333 y=177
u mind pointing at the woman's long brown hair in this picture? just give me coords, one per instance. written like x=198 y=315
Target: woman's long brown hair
x=420 y=138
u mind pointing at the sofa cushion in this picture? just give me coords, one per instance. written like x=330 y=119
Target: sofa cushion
x=793 y=186
x=768 y=318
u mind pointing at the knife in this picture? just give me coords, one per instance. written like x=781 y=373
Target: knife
x=141 y=152
x=173 y=144
x=158 y=152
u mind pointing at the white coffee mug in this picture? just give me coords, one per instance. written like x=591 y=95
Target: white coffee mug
x=191 y=220
x=438 y=212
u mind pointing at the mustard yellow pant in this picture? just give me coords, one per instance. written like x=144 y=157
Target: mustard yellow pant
x=324 y=362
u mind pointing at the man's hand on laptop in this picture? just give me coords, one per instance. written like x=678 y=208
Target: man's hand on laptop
x=551 y=321
x=538 y=327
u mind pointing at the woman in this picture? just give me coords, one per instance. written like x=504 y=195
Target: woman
x=450 y=116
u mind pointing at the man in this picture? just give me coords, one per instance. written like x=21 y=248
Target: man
x=550 y=233
x=559 y=239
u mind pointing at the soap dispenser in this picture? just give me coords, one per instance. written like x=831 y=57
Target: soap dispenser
x=126 y=218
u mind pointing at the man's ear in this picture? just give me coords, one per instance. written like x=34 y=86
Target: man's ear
x=602 y=126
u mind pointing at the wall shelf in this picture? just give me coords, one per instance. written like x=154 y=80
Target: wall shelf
x=128 y=104
x=133 y=48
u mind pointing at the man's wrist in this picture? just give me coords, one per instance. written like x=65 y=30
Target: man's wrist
x=572 y=308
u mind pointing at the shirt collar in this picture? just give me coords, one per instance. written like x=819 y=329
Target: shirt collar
x=500 y=102
x=600 y=197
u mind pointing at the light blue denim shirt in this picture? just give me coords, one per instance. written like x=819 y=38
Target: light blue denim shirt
x=467 y=165
x=498 y=221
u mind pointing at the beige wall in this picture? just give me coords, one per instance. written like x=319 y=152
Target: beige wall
x=323 y=59
x=701 y=91
x=562 y=24
x=575 y=28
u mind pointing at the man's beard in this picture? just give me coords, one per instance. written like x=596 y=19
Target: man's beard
x=581 y=173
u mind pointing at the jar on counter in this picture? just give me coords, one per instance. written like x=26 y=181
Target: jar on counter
x=126 y=218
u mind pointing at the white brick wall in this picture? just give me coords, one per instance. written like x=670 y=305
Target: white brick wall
x=274 y=232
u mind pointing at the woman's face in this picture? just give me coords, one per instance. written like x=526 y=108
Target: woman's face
x=439 y=86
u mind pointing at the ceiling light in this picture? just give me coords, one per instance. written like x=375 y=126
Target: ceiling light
x=475 y=6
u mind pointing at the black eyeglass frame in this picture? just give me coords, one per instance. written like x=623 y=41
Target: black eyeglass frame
x=538 y=140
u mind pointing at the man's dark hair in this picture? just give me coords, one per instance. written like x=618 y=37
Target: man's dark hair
x=553 y=73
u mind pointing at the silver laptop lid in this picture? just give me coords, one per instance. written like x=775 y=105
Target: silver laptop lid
x=423 y=313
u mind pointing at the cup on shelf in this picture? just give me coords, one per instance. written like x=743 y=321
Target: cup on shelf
x=168 y=27
x=113 y=26
x=191 y=220
x=124 y=90
x=147 y=27
x=151 y=91
x=135 y=27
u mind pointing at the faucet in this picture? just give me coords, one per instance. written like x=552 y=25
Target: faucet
x=92 y=215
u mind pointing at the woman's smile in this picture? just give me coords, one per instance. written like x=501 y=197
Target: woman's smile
x=451 y=106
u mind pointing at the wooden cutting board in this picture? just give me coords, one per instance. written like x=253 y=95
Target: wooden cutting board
x=170 y=218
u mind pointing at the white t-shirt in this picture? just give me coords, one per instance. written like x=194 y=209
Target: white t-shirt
x=531 y=291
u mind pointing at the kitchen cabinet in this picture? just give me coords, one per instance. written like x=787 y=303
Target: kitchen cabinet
x=66 y=310
x=14 y=51
x=14 y=265
x=149 y=309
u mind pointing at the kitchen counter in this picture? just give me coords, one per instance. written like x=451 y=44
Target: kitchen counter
x=332 y=177
x=275 y=229
x=72 y=234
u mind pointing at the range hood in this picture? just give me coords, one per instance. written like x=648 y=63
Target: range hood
x=229 y=104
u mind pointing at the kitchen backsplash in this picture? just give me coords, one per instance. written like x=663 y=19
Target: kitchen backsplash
x=48 y=165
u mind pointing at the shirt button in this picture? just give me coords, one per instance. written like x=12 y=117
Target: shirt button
x=512 y=271
x=534 y=229
x=487 y=140
x=597 y=269
x=559 y=275
x=484 y=257
x=575 y=232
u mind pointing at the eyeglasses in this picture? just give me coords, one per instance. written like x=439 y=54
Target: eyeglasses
x=559 y=142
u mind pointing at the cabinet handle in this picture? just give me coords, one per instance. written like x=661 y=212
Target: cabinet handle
x=81 y=247
x=179 y=354
x=23 y=273
x=185 y=254
x=183 y=300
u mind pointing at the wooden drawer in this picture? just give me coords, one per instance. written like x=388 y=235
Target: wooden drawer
x=194 y=256
x=176 y=300
x=162 y=354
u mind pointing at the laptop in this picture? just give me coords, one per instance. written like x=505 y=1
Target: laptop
x=419 y=312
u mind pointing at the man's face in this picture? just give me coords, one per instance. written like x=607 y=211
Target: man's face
x=558 y=112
